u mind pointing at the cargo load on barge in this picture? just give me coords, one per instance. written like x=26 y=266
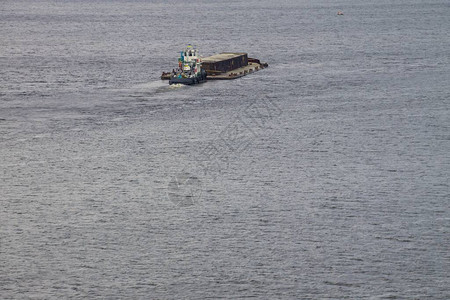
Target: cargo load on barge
x=223 y=66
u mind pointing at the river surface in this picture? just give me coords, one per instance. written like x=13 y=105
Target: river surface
x=324 y=176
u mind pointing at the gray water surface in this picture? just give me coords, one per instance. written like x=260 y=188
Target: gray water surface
x=324 y=176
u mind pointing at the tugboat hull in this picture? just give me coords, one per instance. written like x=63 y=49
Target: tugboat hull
x=185 y=81
x=188 y=80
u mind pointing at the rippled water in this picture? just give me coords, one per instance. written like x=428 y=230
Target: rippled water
x=324 y=176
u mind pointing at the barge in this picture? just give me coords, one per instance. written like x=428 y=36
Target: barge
x=223 y=66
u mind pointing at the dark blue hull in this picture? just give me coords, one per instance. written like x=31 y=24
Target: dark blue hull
x=188 y=81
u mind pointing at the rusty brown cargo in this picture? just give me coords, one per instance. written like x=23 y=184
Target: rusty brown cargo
x=224 y=62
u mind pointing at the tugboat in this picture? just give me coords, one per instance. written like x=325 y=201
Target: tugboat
x=189 y=69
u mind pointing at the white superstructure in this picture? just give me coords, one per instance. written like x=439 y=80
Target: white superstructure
x=190 y=61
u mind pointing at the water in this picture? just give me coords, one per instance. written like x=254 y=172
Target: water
x=324 y=176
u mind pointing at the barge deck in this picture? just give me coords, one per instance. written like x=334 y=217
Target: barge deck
x=236 y=73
